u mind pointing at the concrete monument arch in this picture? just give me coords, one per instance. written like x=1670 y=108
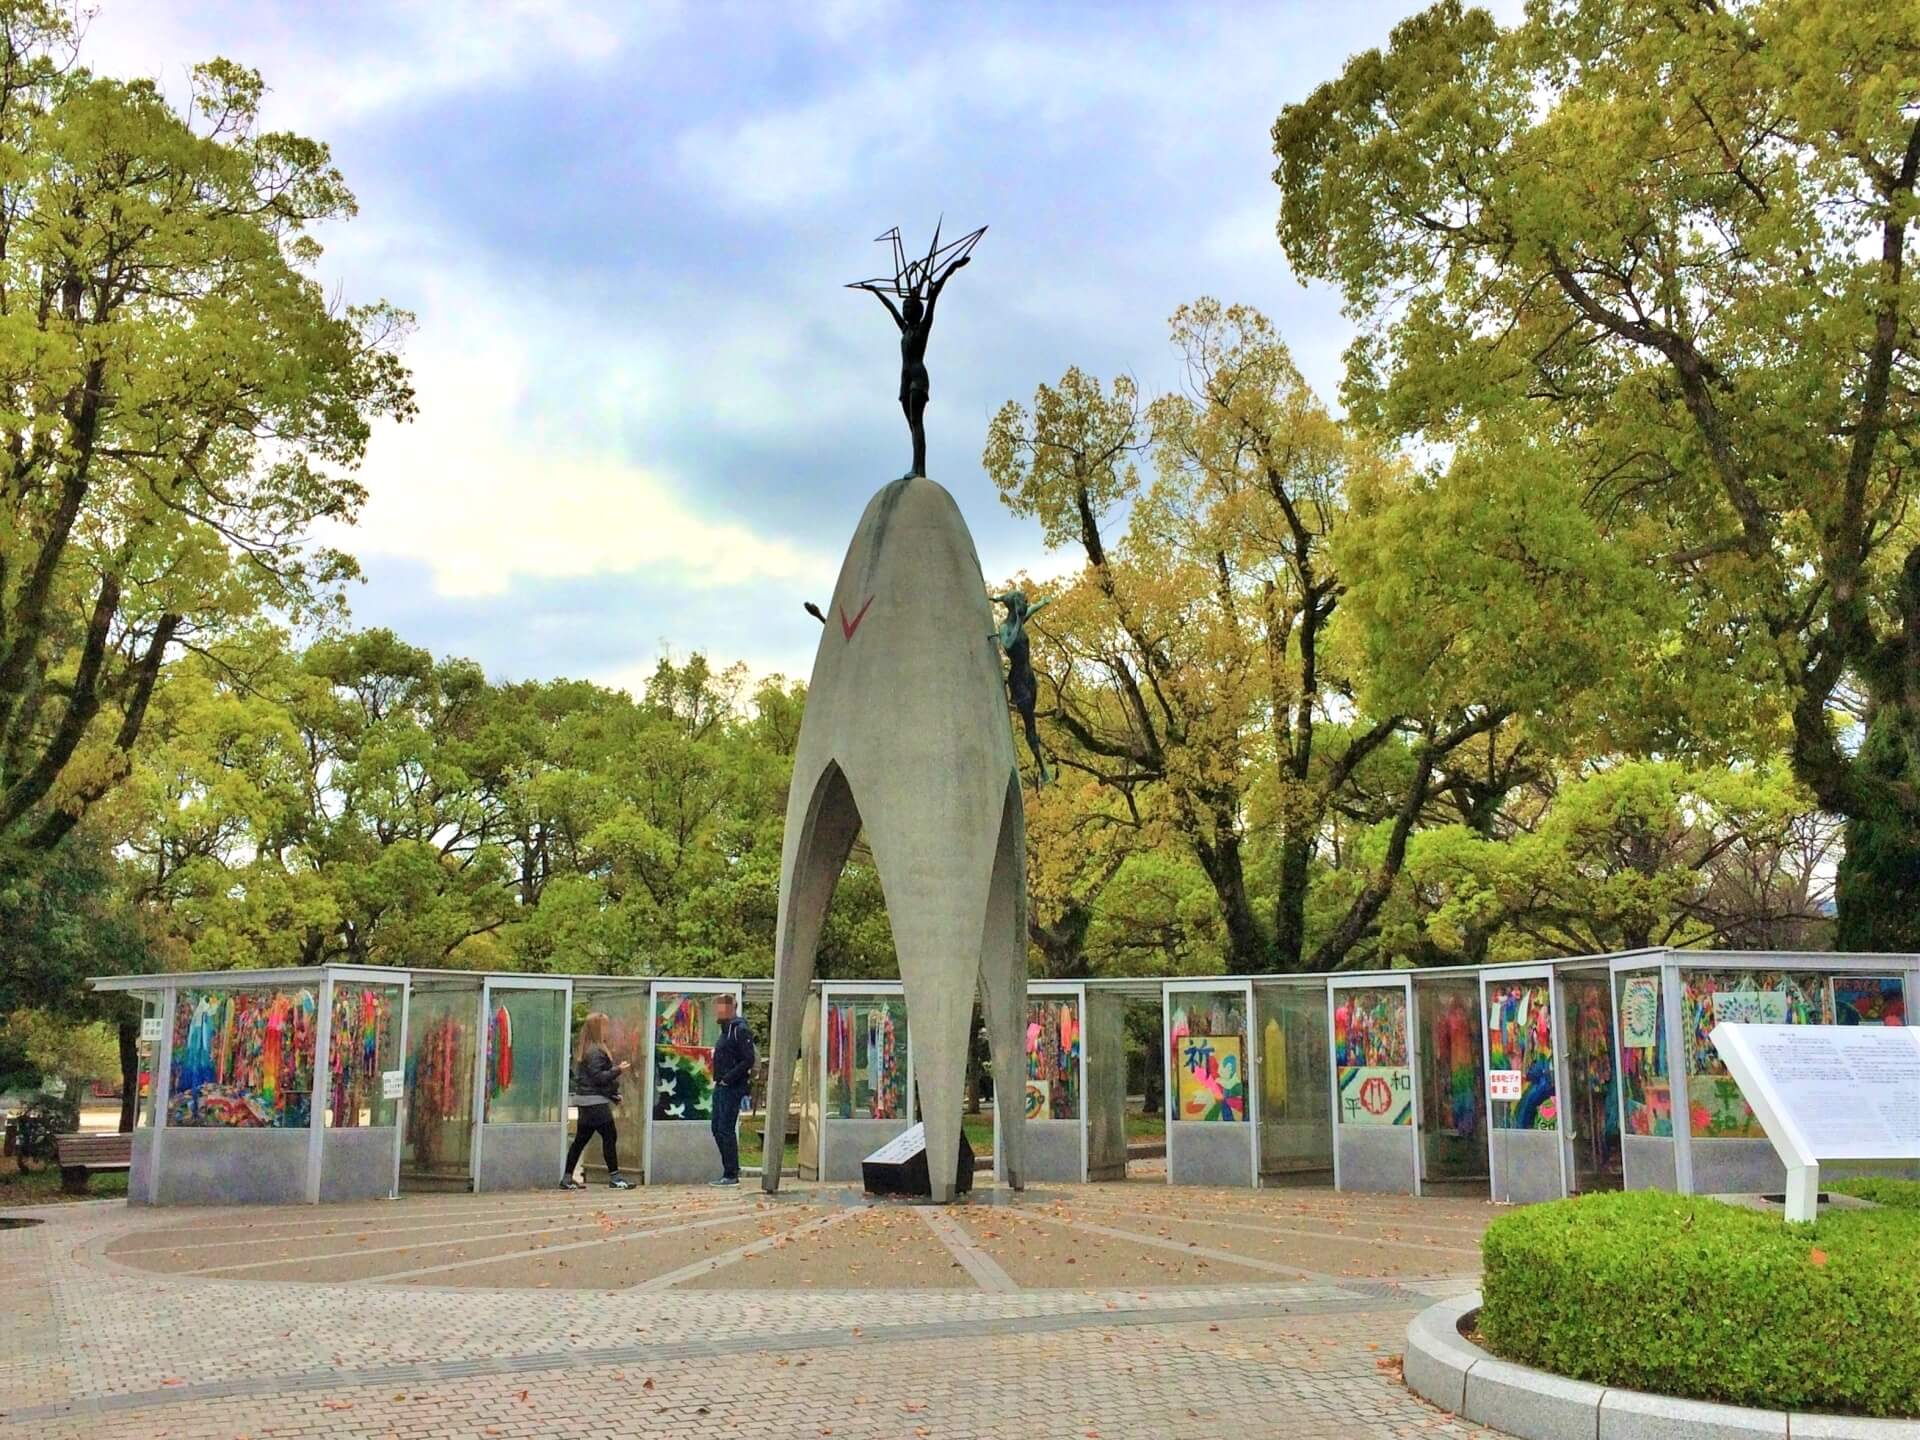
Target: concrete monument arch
x=905 y=736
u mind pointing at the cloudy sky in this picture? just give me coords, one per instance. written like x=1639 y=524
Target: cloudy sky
x=650 y=415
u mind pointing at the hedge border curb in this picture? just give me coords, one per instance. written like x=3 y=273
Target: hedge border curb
x=1446 y=1369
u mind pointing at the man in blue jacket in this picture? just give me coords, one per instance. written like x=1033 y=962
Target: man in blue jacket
x=733 y=1061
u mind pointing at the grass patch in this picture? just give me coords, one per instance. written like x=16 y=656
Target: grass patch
x=1880 y=1189
x=44 y=1188
x=1694 y=1298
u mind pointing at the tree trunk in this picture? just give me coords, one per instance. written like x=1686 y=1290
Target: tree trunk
x=129 y=1036
x=1063 y=945
x=1246 y=947
x=1290 y=907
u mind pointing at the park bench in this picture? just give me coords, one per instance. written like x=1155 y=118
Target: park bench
x=80 y=1156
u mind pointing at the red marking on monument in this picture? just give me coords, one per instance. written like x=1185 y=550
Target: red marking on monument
x=847 y=627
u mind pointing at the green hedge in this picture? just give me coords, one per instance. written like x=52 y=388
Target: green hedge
x=1678 y=1296
x=1881 y=1190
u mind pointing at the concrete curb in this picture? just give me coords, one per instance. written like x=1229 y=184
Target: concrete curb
x=1446 y=1369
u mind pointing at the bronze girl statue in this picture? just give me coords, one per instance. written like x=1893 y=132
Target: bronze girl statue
x=1022 y=689
x=918 y=286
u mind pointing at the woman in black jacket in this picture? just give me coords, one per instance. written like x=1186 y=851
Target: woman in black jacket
x=596 y=1090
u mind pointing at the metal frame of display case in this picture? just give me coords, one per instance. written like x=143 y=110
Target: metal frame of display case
x=1570 y=969
x=655 y=990
x=277 y=1165
x=1419 y=1043
x=1344 y=1164
x=830 y=992
x=500 y=983
x=1755 y=1166
x=1504 y=1153
x=1318 y=1131
x=601 y=992
x=159 y=1088
x=1054 y=990
x=326 y=1168
x=400 y=1109
x=1226 y=1161
x=164 y=990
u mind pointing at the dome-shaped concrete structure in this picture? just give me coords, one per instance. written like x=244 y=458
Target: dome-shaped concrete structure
x=905 y=735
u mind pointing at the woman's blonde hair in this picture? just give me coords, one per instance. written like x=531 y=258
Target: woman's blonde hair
x=593 y=1031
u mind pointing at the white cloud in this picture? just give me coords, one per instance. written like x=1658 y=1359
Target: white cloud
x=500 y=478
x=843 y=21
x=775 y=160
x=887 y=116
x=371 y=56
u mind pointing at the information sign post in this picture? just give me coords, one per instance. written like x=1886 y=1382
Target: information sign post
x=1827 y=1092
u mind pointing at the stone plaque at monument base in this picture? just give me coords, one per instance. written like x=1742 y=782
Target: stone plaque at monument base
x=899 y=1167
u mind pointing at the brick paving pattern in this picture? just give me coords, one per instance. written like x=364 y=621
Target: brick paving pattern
x=1100 y=1311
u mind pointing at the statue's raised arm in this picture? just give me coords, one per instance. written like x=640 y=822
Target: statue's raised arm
x=940 y=283
x=881 y=296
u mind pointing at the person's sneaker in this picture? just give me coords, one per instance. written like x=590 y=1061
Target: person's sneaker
x=618 y=1182
x=724 y=1181
x=571 y=1184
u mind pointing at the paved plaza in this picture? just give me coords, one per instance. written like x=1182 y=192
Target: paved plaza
x=1089 y=1311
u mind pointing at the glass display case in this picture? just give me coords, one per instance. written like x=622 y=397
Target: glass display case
x=1210 y=1134
x=686 y=1027
x=628 y=1006
x=1291 y=1065
x=442 y=1051
x=1591 y=1077
x=1520 y=1039
x=1553 y=1077
x=1685 y=1125
x=243 y=1057
x=1452 y=1115
x=866 y=1072
x=364 y=1046
x=1053 y=1093
x=1375 y=1146
x=526 y=1029
x=866 y=1043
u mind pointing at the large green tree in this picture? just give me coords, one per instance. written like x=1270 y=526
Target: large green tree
x=1622 y=857
x=364 y=801
x=1189 y=669
x=1665 y=245
x=179 y=400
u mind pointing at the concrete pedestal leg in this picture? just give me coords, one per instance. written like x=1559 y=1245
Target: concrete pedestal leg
x=818 y=849
x=1003 y=990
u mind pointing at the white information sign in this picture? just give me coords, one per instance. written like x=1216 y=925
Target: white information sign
x=903 y=1146
x=1827 y=1092
x=393 y=1084
x=1506 y=1084
x=150 y=1029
